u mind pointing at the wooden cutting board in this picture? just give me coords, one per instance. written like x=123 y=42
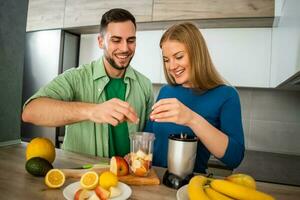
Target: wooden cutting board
x=151 y=179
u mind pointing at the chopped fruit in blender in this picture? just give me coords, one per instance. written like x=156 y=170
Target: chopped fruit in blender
x=140 y=154
x=142 y=171
x=140 y=163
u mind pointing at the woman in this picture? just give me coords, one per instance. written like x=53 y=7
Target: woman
x=196 y=101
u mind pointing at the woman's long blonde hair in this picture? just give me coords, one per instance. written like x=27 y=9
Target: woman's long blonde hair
x=203 y=72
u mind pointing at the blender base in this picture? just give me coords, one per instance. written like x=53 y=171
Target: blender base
x=174 y=181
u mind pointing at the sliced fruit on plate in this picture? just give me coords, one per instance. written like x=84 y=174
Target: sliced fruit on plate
x=119 y=166
x=102 y=193
x=82 y=194
x=55 y=178
x=94 y=197
x=114 y=192
x=89 y=180
x=108 y=179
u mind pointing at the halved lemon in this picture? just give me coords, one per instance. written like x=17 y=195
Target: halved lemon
x=55 y=178
x=89 y=180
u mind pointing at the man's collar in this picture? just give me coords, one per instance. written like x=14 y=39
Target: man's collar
x=99 y=70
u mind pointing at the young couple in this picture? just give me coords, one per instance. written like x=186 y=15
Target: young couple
x=101 y=103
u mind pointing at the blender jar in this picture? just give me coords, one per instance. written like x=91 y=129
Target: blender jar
x=141 y=149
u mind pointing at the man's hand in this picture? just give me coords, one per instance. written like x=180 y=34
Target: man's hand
x=113 y=112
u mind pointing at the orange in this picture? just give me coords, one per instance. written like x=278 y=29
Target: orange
x=89 y=180
x=55 y=178
x=40 y=147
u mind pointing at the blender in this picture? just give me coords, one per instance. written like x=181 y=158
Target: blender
x=141 y=149
x=182 y=151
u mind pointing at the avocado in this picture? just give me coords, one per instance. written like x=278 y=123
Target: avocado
x=38 y=166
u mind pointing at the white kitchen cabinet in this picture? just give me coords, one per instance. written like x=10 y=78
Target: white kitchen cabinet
x=286 y=44
x=148 y=58
x=241 y=55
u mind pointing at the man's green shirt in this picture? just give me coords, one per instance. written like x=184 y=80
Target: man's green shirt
x=119 y=143
x=86 y=84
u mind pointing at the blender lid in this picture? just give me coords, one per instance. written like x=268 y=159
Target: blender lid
x=183 y=137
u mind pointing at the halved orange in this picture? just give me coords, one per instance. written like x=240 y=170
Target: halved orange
x=89 y=180
x=55 y=178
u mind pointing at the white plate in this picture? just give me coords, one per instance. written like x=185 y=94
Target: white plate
x=71 y=189
x=182 y=193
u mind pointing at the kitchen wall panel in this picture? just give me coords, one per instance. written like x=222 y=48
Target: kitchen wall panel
x=45 y=14
x=87 y=13
x=199 y=9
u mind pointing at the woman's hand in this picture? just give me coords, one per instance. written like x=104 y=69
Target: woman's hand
x=171 y=110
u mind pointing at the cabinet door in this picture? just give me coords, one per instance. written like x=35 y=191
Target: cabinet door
x=241 y=55
x=148 y=58
x=207 y=9
x=286 y=44
x=45 y=14
x=89 y=13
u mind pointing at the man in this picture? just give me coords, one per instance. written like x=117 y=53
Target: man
x=102 y=102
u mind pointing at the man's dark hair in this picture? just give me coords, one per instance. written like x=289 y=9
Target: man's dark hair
x=115 y=15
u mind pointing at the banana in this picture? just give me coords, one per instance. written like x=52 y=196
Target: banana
x=238 y=191
x=195 y=188
x=214 y=195
x=242 y=179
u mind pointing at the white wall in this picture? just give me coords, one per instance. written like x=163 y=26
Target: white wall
x=242 y=55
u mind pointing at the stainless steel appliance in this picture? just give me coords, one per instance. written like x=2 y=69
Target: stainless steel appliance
x=47 y=54
x=182 y=151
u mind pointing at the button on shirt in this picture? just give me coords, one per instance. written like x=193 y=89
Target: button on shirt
x=86 y=84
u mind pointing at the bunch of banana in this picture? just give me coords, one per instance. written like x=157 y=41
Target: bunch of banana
x=235 y=186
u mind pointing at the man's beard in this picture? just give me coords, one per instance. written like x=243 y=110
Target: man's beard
x=114 y=64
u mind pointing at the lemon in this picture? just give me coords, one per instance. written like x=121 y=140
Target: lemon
x=89 y=180
x=108 y=179
x=55 y=178
x=41 y=147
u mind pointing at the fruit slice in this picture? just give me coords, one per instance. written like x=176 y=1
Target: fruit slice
x=242 y=179
x=114 y=192
x=55 y=178
x=89 y=180
x=119 y=166
x=102 y=193
x=108 y=179
x=38 y=166
x=82 y=194
x=94 y=197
